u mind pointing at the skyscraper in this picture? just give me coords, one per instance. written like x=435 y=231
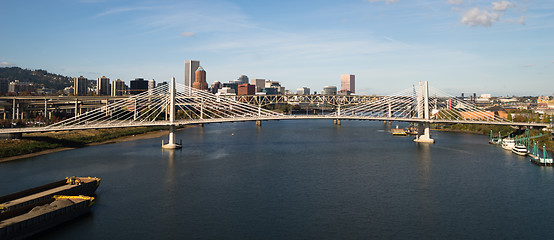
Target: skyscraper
x=190 y=69
x=200 y=82
x=118 y=88
x=347 y=83
x=80 y=87
x=103 y=86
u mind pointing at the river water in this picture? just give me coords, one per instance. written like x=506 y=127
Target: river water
x=300 y=180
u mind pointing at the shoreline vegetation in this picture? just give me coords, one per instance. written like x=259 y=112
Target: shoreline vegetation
x=35 y=144
x=545 y=140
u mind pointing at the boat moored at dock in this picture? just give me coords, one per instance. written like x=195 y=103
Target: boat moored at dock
x=508 y=143
x=520 y=149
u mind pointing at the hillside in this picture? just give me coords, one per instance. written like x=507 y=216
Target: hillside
x=39 y=77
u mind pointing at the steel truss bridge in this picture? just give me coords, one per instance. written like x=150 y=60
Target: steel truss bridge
x=335 y=100
x=178 y=105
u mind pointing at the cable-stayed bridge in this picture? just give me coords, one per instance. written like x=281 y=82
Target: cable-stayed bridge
x=177 y=105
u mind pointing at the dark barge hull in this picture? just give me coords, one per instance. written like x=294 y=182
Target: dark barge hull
x=29 y=224
x=21 y=202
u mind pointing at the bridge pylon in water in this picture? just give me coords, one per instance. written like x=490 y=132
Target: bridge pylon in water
x=423 y=129
x=171 y=144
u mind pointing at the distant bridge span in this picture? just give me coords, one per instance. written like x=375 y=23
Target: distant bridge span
x=172 y=106
x=180 y=123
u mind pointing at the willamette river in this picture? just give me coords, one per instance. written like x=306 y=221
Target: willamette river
x=300 y=180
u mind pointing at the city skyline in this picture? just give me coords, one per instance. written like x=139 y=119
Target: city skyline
x=498 y=47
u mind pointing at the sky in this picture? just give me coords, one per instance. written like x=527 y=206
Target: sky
x=503 y=48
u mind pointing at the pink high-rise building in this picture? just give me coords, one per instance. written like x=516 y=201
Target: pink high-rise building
x=347 y=83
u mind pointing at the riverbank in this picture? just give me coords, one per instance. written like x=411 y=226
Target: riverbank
x=545 y=140
x=37 y=144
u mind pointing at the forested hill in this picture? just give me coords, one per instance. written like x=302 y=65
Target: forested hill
x=39 y=77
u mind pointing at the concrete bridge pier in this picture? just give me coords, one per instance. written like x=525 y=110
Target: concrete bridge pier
x=336 y=122
x=424 y=134
x=258 y=123
x=171 y=144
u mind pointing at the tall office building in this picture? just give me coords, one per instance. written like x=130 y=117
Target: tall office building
x=200 y=82
x=18 y=87
x=190 y=69
x=259 y=83
x=347 y=83
x=4 y=86
x=138 y=86
x=329 y=90
x=118 y=88
x=303 y=91
x=215 y=87
x=151 y=84
x=80 y=86
x=246 y=89
x=241 y=80
x=103 y=86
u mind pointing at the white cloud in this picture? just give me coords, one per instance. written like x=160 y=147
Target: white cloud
x=502 y=5
x=496 y=12
x=187 y=34
x=478 y=17
x=6 y=64
x=456 y=2
x=521 y=20
x=529 y=65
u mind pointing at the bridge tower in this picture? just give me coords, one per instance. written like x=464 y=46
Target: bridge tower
x=423 y=130
x=171 y=144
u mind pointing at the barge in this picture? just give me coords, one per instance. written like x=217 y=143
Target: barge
x=398 y=131
x=57 y=210
x=20 y=202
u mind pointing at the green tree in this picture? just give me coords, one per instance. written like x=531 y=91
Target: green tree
x=546 y=118
x=509 y=117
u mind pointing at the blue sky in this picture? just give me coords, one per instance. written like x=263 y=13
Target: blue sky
x=498 y=47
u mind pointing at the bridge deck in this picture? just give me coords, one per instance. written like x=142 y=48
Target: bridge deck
x=125 y=124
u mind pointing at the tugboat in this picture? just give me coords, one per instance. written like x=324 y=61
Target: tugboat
x=411 y=129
